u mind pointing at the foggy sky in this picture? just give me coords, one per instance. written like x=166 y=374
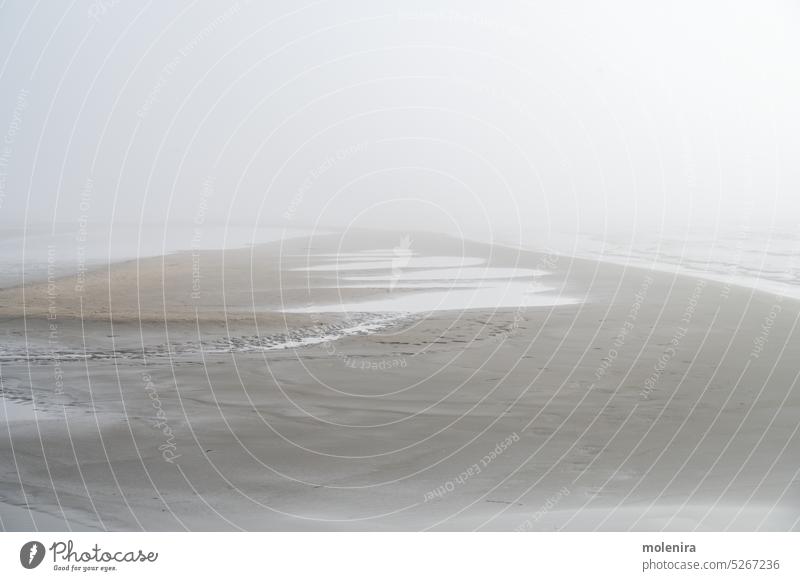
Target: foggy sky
x=499 y=122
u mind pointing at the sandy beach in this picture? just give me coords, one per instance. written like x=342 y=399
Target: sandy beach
x=230 y=390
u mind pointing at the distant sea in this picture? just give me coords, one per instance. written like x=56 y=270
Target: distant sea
x=767 y=260
x=764 y=260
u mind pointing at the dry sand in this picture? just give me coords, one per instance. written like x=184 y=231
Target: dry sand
x=529 y=418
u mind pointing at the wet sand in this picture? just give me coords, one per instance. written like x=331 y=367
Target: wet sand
x=653 y=402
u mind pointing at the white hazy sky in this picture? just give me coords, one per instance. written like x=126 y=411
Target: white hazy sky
x=507 y=120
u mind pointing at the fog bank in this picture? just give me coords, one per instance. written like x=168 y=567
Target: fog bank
x=513 y=124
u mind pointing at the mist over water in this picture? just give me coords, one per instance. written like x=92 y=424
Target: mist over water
x=521 y=124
